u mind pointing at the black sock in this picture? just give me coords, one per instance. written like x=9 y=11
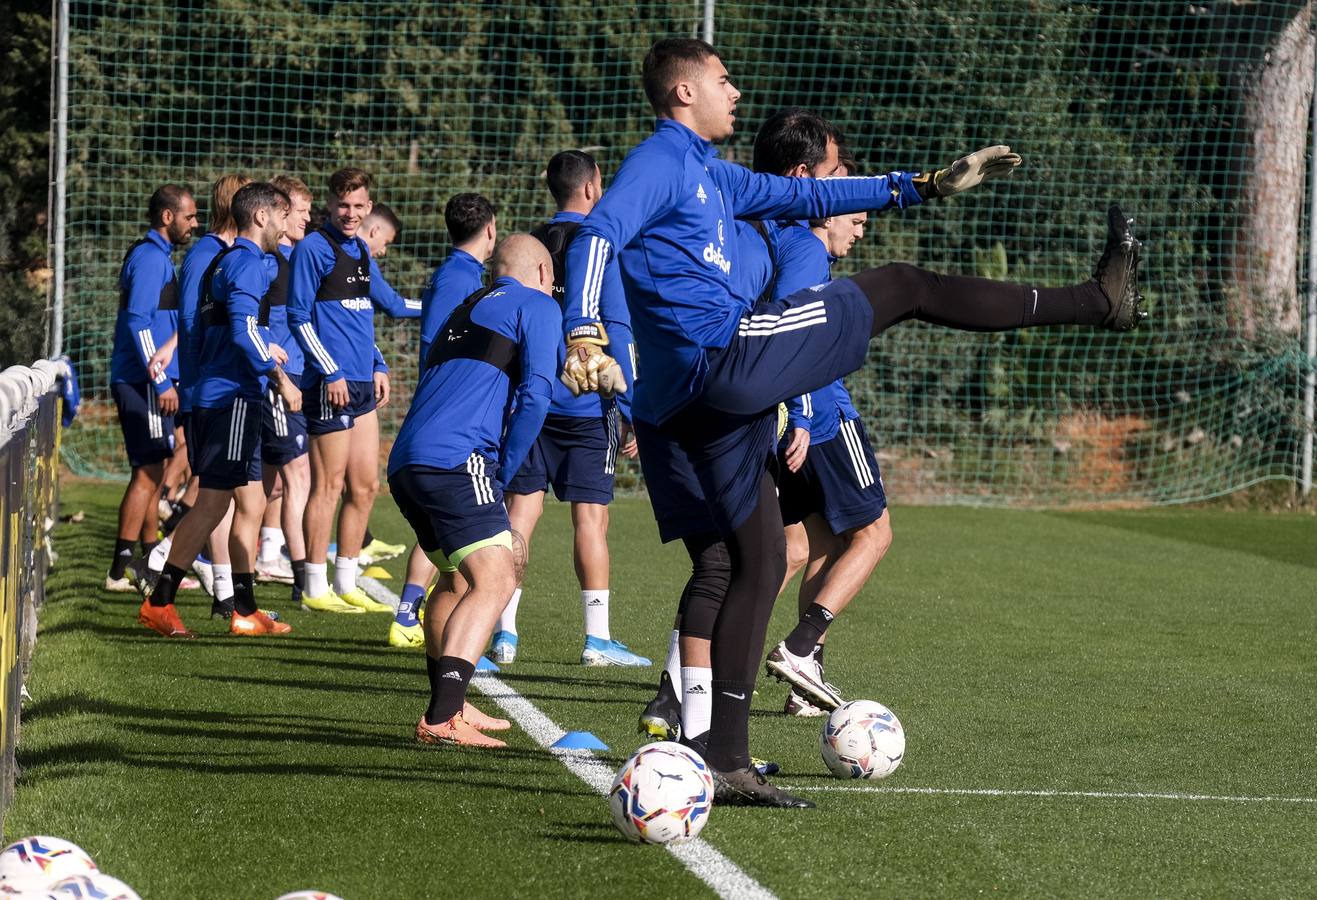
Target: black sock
x=367 y=539
x=123 y=555
x=432 y=672
x=166 y=588
x=299 y=573
x=449 y=691
x=244 y=594
x=180 y=510
x=147 y=547
x=805 y=636
x=729 y=725
x=818 y=654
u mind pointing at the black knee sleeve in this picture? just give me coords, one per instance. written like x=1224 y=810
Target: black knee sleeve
x=711 y=573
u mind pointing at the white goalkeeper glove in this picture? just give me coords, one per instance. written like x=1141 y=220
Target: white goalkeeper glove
x=968 y=171
x=587 y=367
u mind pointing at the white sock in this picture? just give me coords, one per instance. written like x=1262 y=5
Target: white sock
x=595 y=604
x=673 y=665
x=696 y=700
x=507 y=621
x=160 y=555
x=272 y=544
x=223 y=581
x=345 y=575
x=317 y=579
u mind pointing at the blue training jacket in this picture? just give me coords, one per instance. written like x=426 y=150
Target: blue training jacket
x=612 y=311
x=458 y=277
x=143 y=323
x=279 y=331
x=804 y=262
x=338 y=335
x=235 y=353
x=466 y=406
x=196 y=262
x=668 y=218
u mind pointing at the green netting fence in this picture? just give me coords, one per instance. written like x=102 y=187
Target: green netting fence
x=1195 y=115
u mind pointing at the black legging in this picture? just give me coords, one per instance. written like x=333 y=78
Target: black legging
x=899 y=291
x=702 y=598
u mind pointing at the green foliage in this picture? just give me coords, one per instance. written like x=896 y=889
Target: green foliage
x=24 y=145
x=1104 y=101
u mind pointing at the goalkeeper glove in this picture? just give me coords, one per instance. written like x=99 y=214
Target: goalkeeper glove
x=968 y=172
x=588 y=367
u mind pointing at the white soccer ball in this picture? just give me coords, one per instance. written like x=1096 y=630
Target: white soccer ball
x=661 y=794
x=92 y=886
x=309 y=895
x=862 y=739
x=32 y=863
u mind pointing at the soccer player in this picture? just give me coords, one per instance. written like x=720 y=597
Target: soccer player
x=577 y=449
x=335 y=289
x=726 y=366
x=473 y=231
x=836 y=495
x=233 y=364
x=144 y=395
x=283 y=431
x=476 y=412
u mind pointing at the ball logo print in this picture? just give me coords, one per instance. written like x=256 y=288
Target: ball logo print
x=94 y=886
x=862 y=739
x=661 y=795
x=35 y=862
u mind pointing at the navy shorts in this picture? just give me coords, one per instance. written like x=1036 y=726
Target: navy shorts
x=283 y=432
x=147 y=435
x=576 y=455
x=839 y=481
x=782 y=349
x=674 y=491
x=226 y=444
x=450 y=509
x=321 y=417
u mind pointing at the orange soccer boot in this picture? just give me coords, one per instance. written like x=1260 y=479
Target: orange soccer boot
x=481 y=722
x=163 y=620
x=456 y=732
x=257 y=623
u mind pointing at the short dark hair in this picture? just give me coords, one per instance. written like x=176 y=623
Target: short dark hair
x=385 y=212
x=465 y=215
x=345 y=181
x=253 y=197
x=569 y=170
x=667 y=62
x=166 y=197
x=846 y=157
x=791 y=137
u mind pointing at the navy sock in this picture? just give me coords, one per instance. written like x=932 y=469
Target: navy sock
x=166 y=588
x=412 y=594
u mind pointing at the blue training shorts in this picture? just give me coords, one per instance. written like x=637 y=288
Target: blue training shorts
x=839 y=481
x=283 y=432
x=148 y=437
x=322 y=417
x=450 y=509
x=226 y=443
x=575 y=454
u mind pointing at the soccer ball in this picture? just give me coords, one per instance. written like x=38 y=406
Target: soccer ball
x=34 y=862
x=862 y=739
x=309 y=895
x=661 y=794
x=92 y=886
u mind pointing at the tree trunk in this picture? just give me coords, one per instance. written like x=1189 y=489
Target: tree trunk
x=1276 y=99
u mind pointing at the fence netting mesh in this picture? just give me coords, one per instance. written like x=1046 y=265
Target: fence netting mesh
x=1194 y=115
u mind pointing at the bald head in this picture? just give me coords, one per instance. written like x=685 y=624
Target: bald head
x=523 y=258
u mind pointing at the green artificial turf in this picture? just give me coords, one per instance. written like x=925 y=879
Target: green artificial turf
x=1165 y=651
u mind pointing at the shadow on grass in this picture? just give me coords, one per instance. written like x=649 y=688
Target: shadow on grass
x=583 y=833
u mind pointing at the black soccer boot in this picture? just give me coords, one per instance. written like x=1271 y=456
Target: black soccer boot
x=221 y=608
x=1117 y=274
x=746 y=787
x=661 y=719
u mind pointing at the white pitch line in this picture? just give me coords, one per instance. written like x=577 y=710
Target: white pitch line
x=726 y=878
x=1094 y=795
